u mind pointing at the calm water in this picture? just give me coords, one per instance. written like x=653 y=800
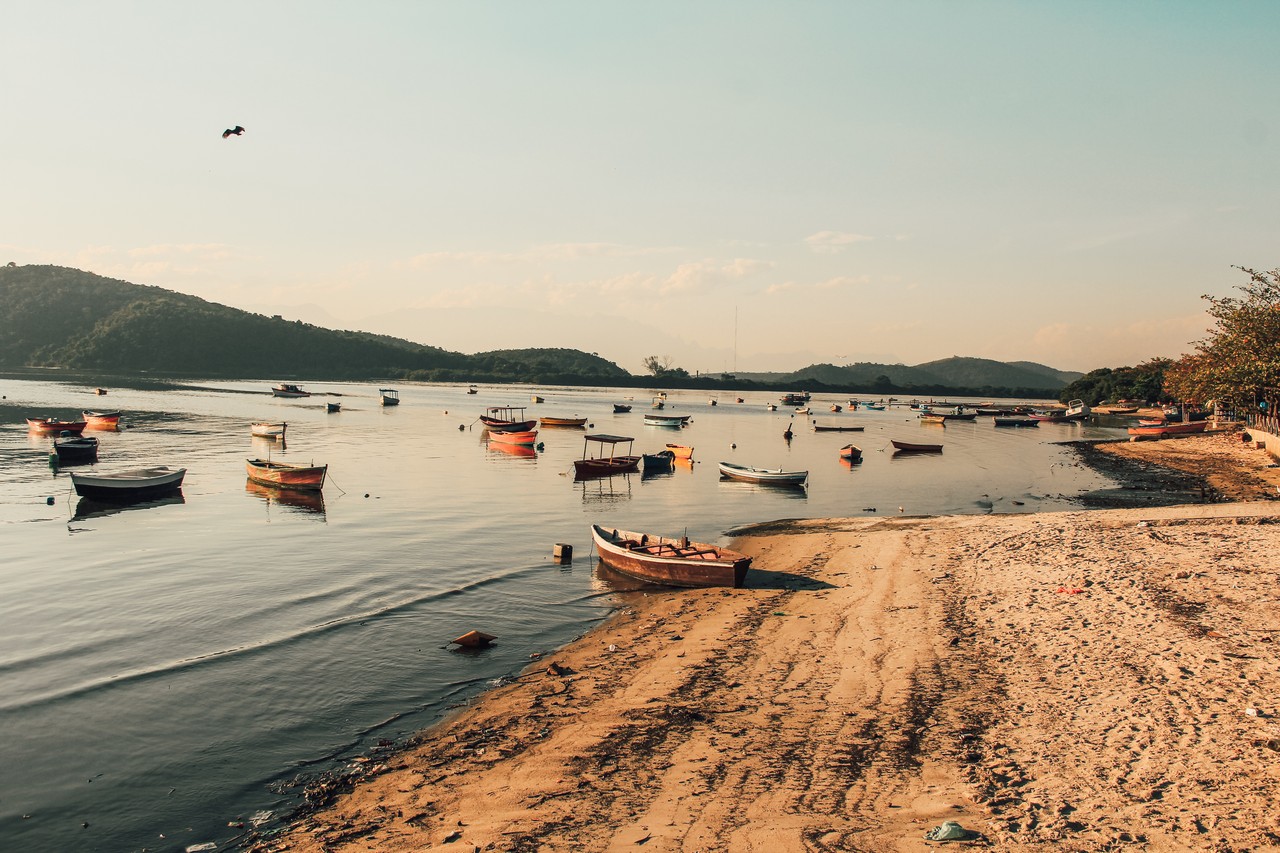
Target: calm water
x=162 y=666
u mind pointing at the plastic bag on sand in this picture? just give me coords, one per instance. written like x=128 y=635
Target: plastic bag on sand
x=950 y=831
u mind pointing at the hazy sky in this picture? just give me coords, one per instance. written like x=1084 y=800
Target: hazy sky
x=852 y=181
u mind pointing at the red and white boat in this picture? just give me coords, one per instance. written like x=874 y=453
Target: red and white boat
x=101 y=420
x=505 y=417
x=669 y=561
x=1161 y=430
x=285 y=475
x=54 y=426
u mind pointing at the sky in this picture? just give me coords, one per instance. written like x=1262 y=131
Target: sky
x=730 y=186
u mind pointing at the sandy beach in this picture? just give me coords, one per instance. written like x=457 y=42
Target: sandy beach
x=1081 y=681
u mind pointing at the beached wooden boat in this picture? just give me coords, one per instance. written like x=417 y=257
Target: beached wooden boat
x=574 y=421
x=1128 y=410
x=1015 y=421
x=851 y=452
x=620 y=409
x=131 y=484
x=55 y=426
x=388 y=396
x=286 y=475
x=525 y=437
x=666 y=420
x=75 y=449
x=510 y=418
x=669 y=561
x=767 y=476
x=817 y=427
x=600 y=465
x=681 y=451
x=912 y=447
x=284 y=389
x=101 y=420
x=657 y=463
x=1162 y=430
x=273 y=431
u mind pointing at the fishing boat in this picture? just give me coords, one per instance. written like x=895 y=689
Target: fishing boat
x=817 y=427
x=932 y=418
x=1015 y=421
x=388 y=396
x=657 y=463
x=101 y=420
x=55 y=426
x=851 y=453
x=601 y=465
x=273 y=431
x=620 y=409
x=666 y=420
x=681 y=451
x=131 y=484
x=286 y=475
x=768 y=476
x=524 y=437
x=1076 y=410
x=284 y=389
x=75 y=448
x=957 y=415
x=911 y=447
x=505 y=417
x=574 y=421
x=332 y=407
x=669 y=561
x=1161 y=430
x=794 y=399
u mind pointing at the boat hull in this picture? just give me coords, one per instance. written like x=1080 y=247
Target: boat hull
x=666 y=421
x=1186 y=428
x=669 y=562
x=101 y=420
x=73 y=450
x=563 y=422
x=909 y=447
x=1016 y=422
x=585 y=468
x=521 y=437
x=825 y=428
x=275 y=431
x=133 y=484
x=763 y=476
x=851 y=452
x=681 y=451
x=283 y=475
x=53 y=426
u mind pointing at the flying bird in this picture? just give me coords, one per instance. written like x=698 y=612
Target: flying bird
x=233 y=131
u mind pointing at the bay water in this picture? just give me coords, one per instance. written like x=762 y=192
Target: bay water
x=165 y=667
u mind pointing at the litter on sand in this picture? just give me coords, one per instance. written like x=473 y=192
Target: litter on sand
x=950 y=831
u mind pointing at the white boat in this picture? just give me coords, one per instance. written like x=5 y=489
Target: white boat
x=666 y=420
x=773 y=476
x=284 y=389
x=273 y=431
x=130 y=484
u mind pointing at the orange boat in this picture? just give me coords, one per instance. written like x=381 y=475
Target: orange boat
x=521 y=437
x=101 y=420
x=681 y=451
x=285 y=475
x=53 y=426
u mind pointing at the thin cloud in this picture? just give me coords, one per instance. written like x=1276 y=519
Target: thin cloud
x=538 y=254
x=704 y=274
x=834 y=242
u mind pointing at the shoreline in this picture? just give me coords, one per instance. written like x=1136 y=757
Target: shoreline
x=876 y=677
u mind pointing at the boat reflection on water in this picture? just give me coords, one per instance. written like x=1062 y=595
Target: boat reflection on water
x=785 y=490
x=606 y=489
x=306 y=501
x=268 y=445
x=99 y=508
x=520 y=451
x=627 y=589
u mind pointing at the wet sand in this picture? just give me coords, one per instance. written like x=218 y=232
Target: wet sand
x=1102 y=679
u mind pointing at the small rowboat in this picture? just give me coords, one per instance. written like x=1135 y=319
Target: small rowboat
x=524 y=437
x=1161 y=430
x=285 y=475
x=101 y=420
x=273 y=431
x=873 y=407
x=574 y=421
x=54 y=426
x=851 y=453
x=132 y=484
x=930 y=418
x=669 y=561
x=681 y=451
x=835 y=407
x=909 y=447
x=620 y=409
x=766 y=476
x=1015 y=421
x=657 y=463
x=72 y=450
x=666 y=420
x=817 y=427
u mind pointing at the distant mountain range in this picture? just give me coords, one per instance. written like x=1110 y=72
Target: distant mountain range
x=60 y=317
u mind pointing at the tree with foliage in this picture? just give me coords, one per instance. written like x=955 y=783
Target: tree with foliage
x=1144 y=383
x=660 y=367
x=1239 y=362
